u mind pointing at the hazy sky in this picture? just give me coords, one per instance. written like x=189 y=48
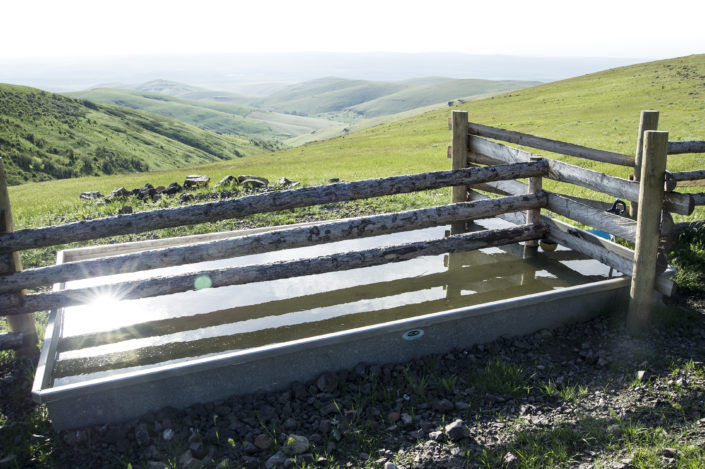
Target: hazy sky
x=598 y=28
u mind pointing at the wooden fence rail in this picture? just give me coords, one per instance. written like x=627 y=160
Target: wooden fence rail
x=487 y=152
x=679 y=148
x=269 y=202
x=270 y=241
x=547 y=144
x=162 y=285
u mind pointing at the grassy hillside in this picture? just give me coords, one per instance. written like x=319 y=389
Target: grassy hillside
x=425 y=95
x=222 y=117
x=599 y=110
x=46 y=136
x=327 y=95
x=356 y=99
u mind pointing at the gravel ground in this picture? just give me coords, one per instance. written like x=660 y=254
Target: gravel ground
x=585 y=395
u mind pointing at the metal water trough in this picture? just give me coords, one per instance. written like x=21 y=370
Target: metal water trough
x=269 y=367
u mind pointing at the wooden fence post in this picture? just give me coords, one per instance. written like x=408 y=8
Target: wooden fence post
x=534 y=215
x=651 y=194
x=648 y=121
x=459 y=160
x=22 y=322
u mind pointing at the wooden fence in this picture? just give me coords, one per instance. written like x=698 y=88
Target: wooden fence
x=650 y=191
x=519 y=203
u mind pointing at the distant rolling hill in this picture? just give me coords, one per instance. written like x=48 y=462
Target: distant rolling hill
x=365 y=99
x=298 y=113
x=208 y=112
x=49 y=136
x=432 y=93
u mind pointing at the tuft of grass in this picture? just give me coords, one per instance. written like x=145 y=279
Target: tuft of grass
x=688 y=255
x=564 y=392
x=501 y=378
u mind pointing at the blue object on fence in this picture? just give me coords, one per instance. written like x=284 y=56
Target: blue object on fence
x=601 y=234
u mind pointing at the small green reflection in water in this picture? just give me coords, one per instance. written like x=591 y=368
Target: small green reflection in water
x=201 y=282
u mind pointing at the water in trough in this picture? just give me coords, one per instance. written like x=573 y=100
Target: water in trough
x=109 y=337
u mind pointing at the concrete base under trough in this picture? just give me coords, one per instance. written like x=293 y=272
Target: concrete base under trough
x=274 y=367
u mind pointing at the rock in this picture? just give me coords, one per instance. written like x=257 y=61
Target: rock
x=393 y=417
x=295 y=444
x=390 y=465
x=125 y=210
x=671 y=453
x=299 y=389
x=187 y=461
x=90 y=195
x=249 y=448
x=157 y=465
x=118 y=193
x=290 y=424
x=263 y=441
x=223 y=464
x=252 y=181
x=185 y=198
x=324 y=427
x=276 y=460
x=173 y=188
x=436 y=436
x=406 y=419
x=443 y=405
x=330 y=408
x=196 y=181
x=250 y=462
x=151 y=453
x=334 y=180
x=287 y=183
x=457 y=430
x=142 y=434
x=198 y=450
x=168 y=434
x=510 y=461
x=226 y=181
x=327 y=382
x=146 y=191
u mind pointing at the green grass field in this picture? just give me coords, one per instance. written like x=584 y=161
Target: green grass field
x=599 y=110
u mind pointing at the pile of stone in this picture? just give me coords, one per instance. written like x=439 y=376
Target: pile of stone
x=228 y=187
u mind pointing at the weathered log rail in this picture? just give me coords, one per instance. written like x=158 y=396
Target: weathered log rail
x=274 y=201
x=14 y=302
x=270 y=241
x=163 y=285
